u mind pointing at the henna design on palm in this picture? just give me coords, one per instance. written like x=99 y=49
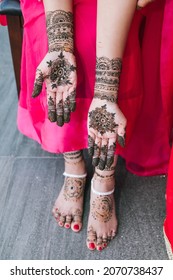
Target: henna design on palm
x=58 y=68
x=105 y=120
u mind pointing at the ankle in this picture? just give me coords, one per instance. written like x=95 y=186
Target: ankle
x=103 y=184
x=74 y=163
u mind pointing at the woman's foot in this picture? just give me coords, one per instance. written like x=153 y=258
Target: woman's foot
x=102 y=223
x=68 y=208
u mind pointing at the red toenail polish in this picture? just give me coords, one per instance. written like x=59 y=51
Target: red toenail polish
x=67 y=226
x=104 y=245
x=100 y=248
x=76 y=227
x=91 y=245
x=60 y=224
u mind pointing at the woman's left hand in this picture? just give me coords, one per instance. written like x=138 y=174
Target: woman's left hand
x=106 y=125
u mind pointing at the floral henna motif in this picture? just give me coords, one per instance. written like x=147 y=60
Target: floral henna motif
x=102 y=208
x=59 y=112
x=60 y=30
x=90 y=145
x=74 y=188
x=59 y=71
x=110 y=155
x=101 y=120
x=107 y=97
x=51 y=109
x=103 y=156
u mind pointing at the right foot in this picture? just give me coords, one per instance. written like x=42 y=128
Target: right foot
x=68 y=208
x=102 y=223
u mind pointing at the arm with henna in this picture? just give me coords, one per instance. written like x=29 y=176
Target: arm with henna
x=106 y=122
x=58 y=68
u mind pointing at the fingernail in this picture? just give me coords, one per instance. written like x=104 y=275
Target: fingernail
x=66 y=118
x=60 y=120
x=95 y=161
x=51 y=116
x=91 y=151
x=110 y=162
x=72 y=107
x=121 y=141
x=101 y=164
x=36 y=91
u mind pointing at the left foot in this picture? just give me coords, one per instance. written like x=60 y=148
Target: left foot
x=102 y=223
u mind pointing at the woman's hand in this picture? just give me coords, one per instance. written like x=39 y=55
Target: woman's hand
x=58 y=71
x=58 y=68
x=143 y=3
x=106 y=125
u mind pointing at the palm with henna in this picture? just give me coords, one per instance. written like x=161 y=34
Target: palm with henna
x=58 y=68
x=106 y=122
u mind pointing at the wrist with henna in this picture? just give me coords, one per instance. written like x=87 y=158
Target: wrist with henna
x=107 y=78
x=60 y=30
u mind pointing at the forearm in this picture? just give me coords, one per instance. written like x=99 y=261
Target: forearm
x=59 y=21
x=53 y=5
x=113 y=23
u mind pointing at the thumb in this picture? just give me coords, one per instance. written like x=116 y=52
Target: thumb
x=143 y=3
x=38 y=84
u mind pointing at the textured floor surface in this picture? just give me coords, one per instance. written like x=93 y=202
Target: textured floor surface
x=30 y=180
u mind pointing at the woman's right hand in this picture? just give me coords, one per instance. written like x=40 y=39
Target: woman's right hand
x=58 y=71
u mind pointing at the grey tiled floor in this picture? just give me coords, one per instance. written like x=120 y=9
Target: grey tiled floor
x=30 y=179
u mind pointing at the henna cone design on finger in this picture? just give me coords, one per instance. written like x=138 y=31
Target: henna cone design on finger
x=38 y=83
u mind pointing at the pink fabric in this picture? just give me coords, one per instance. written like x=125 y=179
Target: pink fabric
x=3 y=20
x=147 y=145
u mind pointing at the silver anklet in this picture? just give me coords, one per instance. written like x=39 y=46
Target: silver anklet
x=101 y=193
x=74 y=176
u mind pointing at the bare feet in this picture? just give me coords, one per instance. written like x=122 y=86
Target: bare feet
x=68 y=208
x=102 y=223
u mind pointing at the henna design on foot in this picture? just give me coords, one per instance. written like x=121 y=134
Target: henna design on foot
x=74 y=188
x=102 y=209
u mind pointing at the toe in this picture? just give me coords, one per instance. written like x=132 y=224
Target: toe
x=61 y=220
x=91 y=239
x=76 y=224
x=105 y=241
x=113 y=234
x=68 y=221
x=56 y=214
x=99 y=243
